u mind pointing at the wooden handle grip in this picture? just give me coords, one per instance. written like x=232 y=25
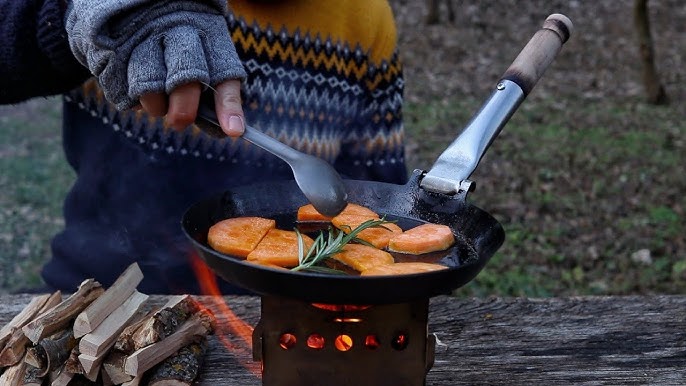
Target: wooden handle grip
x=537 y=55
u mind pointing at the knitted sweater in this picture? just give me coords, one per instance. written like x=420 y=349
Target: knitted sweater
x=325 y=80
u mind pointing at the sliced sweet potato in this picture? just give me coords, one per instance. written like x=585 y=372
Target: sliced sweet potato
x=361 y=257
x=376 y=236
x=422 y=239
x=307 y=213
x=401 y=269
x=238 y=236
x=279 y=247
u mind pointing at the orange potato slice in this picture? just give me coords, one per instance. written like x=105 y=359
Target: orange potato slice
x=422 y=239
x=361 y=257
x=307 y=213
x=238 y=236
x=376 y=236
x=401 y=269
x=279 y=247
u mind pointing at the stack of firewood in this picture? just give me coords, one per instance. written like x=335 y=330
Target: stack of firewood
x=105 y=337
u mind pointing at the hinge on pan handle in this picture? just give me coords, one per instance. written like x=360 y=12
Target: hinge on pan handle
x=449 y=174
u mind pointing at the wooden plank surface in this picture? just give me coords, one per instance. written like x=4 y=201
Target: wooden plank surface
x=514 y=341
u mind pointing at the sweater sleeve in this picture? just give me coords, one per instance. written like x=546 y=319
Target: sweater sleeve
x=35 y=58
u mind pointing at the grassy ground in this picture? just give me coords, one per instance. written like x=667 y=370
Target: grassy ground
x=34 y=180
x=586 y=179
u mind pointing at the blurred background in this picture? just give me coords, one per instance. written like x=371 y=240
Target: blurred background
x=587 y=178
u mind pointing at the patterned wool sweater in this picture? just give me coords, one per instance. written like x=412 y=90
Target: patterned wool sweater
x=325 y=80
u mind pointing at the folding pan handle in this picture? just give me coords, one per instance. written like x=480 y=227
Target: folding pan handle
x=451 y=171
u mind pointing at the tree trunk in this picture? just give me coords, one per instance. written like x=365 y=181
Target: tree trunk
x=655 y=92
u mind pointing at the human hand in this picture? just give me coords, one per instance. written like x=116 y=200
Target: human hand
x=181 y=106
x=159 y=55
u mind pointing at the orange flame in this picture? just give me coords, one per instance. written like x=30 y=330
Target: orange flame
x=228 y=323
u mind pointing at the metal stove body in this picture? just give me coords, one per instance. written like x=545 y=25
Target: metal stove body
x=307 y=344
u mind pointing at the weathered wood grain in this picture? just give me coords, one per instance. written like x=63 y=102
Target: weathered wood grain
x=581 y=341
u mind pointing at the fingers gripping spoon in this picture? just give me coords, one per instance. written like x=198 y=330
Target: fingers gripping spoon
x=316 y=178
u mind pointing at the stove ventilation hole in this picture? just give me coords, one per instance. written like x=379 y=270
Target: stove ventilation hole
x=343 y=342
x=315 y=341
x=371 y=342
x=287 y=341
x=400 y=341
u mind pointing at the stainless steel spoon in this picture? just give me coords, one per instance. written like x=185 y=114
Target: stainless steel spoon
x=316 y=178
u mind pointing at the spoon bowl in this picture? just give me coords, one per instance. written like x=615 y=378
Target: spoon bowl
x=316 y=178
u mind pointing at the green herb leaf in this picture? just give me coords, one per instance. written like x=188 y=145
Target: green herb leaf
x=325 y=247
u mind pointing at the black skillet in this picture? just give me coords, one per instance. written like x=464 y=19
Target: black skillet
x=437 y=196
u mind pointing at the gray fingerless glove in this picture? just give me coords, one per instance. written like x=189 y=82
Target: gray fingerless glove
x=138 y=46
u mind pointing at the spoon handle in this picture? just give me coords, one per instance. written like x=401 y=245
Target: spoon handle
x=251 y=135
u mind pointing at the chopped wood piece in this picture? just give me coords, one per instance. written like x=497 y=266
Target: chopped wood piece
x=165 y=321
x=402 y=269
x=124 y=342
x=91 y=366
x=137 y=381
x=422 y=239
x=106 y=381
x=199 y=325
x=180 y=369
x=72 y=364
x=62 y=314
x=62 y=379
x=114 y=367
x=13 y=375
x=238 y=236
x=112 y=298
x=362 y=257
x=51 y=353
x=102 y=338
x=280 y=248
x=32 y=376
x=15 y=347
x=25 y=316
x=376 y=236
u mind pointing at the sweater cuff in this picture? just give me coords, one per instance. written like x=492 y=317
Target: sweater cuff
x=52 y=37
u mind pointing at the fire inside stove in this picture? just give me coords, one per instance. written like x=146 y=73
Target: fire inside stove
x=300 y=343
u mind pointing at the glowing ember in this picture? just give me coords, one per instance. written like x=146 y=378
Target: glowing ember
x=371 y=342
x=400 y=342
x=343 y=342
x=315 y=341
x=287 y=341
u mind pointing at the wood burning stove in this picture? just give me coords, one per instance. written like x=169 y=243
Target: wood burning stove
x=310 y=344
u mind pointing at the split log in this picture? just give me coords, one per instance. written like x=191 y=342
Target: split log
x=111 y=299
x=137 y=381
x=15 y=348
x=32 y=376
x=180 y=369
x=73 y=365
x=60 y=316
x=50 y=354
x=105 y=378
x=62 y=378
x=124 y=342
x=165 y=321
x=102 y=338
x=13 y=375
x=196 y=327
x=25 y=316
x=91 y=366
x=114 y=367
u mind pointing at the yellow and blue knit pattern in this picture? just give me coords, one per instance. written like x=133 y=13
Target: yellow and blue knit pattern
x=325 y=79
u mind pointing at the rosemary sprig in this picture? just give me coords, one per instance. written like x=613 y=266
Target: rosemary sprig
x=326 y=246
